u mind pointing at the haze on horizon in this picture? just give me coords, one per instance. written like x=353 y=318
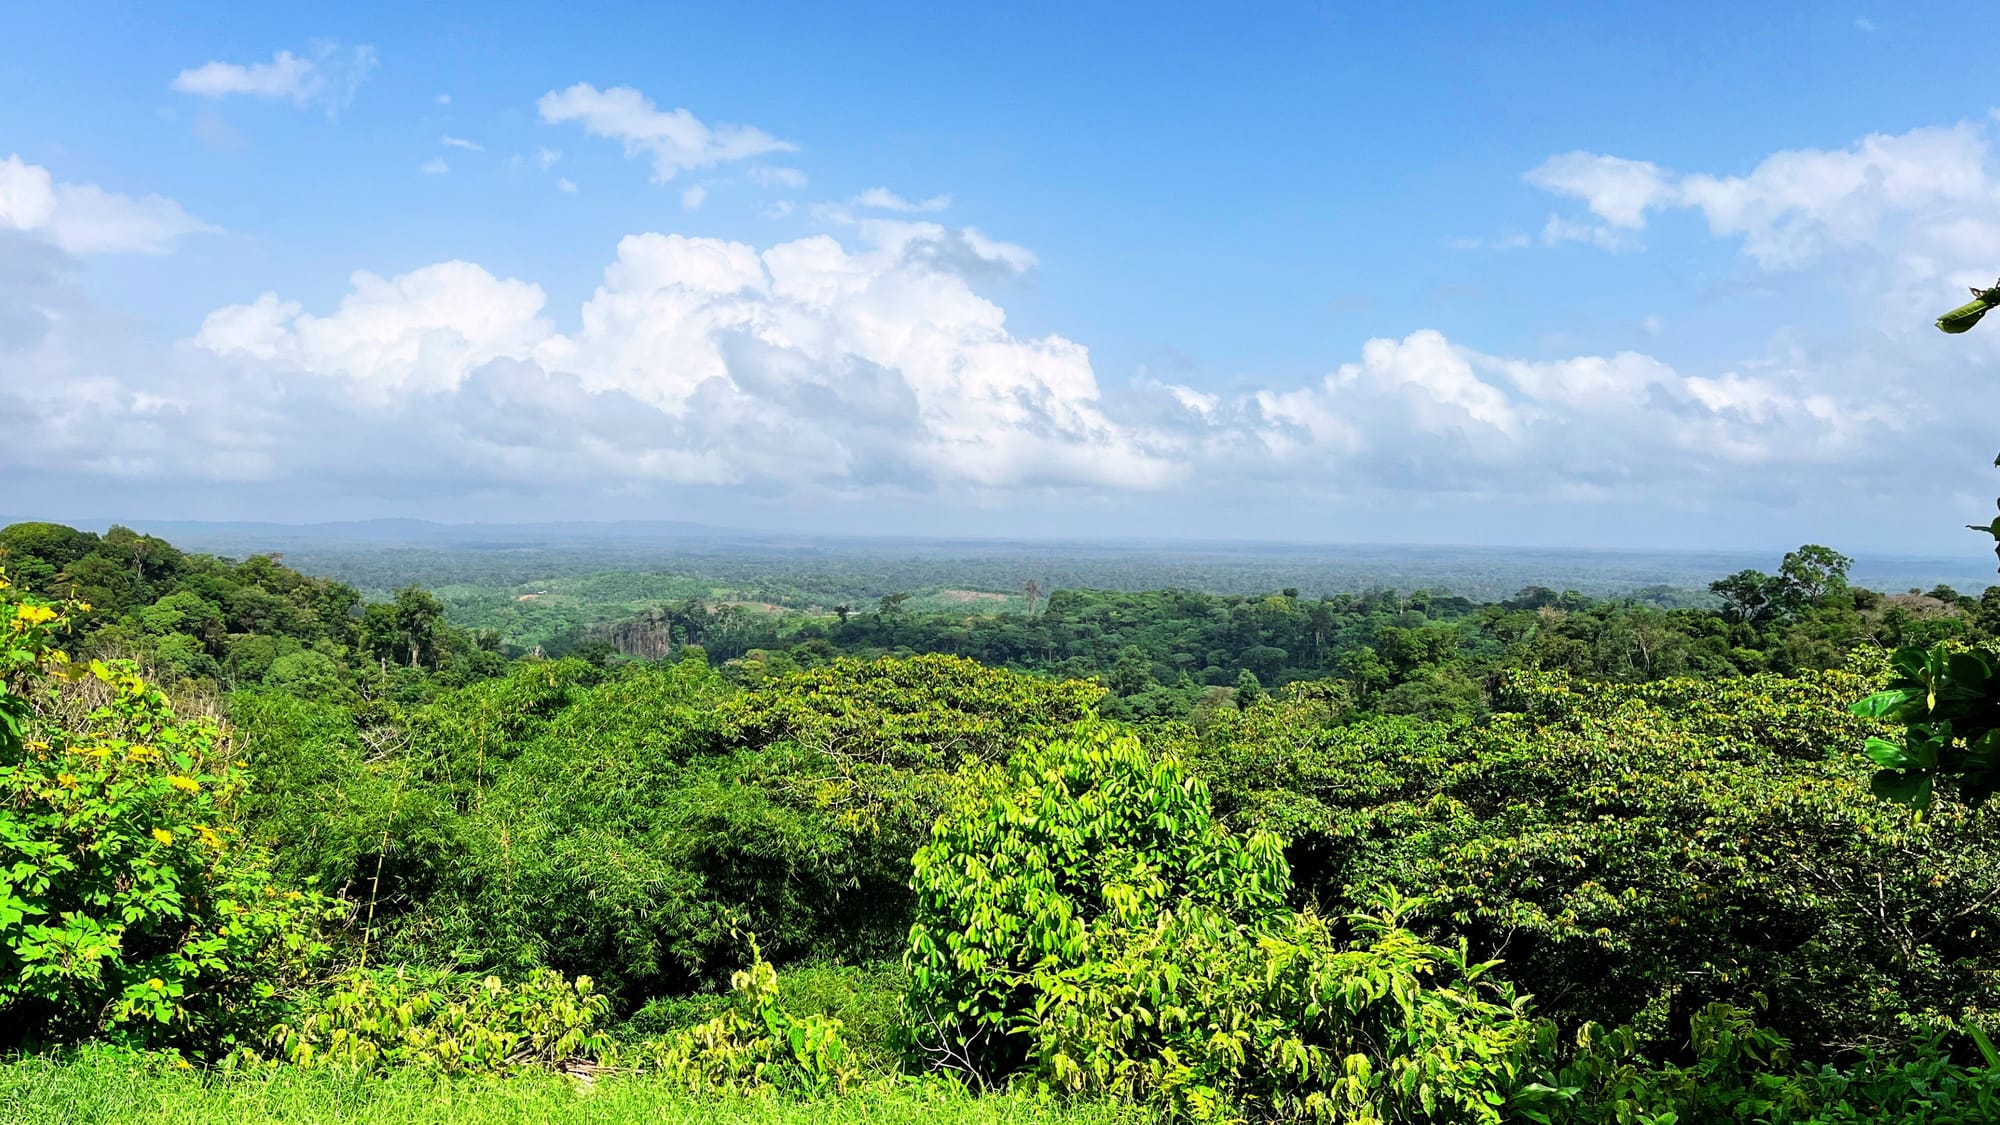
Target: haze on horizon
x=1529 y=275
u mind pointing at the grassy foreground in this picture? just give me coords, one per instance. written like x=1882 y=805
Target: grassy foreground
x=99 y=1088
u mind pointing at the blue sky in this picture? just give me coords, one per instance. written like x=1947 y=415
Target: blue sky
x=1555 y=274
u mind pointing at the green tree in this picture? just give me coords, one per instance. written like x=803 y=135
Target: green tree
x=1813 y=573
x=1084 y=918
x=130 y=907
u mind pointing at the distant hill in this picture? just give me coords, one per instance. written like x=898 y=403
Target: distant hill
x=378 y=555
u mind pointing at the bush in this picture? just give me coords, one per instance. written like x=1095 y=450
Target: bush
x=755 y=1043
x=1085 y=921
x=457 y=1024
x=129 y=906
x=1738 y=1071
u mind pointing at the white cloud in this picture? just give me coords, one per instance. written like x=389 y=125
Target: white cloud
x=435 y=166
x=565 y=184
x=778 y=177
x=425 y=330
x=1928 y=191
x=873 y=365
x=442 y=99
x=1863 y=23
x=450 y=141
x=547 y=157
x=883 y=199
x=85 y=218
x=693 y=197
x=1616 y=190
x=701 y=360
x=845 y=368
x=328 y=76
x=285 y=76
x=675 y=140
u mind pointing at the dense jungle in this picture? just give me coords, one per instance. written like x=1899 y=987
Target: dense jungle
x=1066 y=854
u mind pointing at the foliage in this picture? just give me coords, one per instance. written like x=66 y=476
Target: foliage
x=923 y=712
x=207 y=621
x=1214 y=1019
x=374 y=1020
x=867 y=1000
x=1738 y=1071
x=869 y=751
x=1085 y=919
x=130 y=908
x=104 y=1087
x=1644 y=806
x=1946 y=699
x=1079 y=840
x=1637 y=852
x=754 y=1044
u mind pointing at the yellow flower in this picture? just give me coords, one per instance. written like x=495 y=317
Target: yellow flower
x=184 y=784
x=66 y=780
x=35 y=614
x=157 y=985
x=163 y=836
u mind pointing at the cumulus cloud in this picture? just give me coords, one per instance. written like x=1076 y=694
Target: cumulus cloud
x=876 y=364
x=450 y=141
x=423 y=330
x=85 y=218
x=693 y=197
x=844 y=368
x=328 y=75
x=675 y=140
x=1616 y=190
x=1921 y=192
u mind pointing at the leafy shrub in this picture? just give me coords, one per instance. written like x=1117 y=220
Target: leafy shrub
x=1076 y=844
x=1085 y=920
x=867 y=1000
x=1739 y=1071
x=130 y=908
x=753 y=1044
x=457 y=1024
x=1212 y=1019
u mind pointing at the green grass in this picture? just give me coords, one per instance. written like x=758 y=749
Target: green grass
x=104 y=1088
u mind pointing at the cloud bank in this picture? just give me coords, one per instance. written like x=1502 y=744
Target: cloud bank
x=875 y=363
